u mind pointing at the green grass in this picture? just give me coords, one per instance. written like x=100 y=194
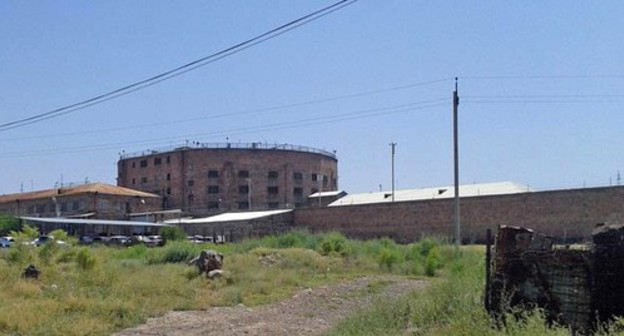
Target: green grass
x=99 y=290
x=451 y=305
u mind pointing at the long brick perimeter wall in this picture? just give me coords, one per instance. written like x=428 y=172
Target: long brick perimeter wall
x=569 y=214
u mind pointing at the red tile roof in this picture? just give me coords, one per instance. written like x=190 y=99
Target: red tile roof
x=92 y=188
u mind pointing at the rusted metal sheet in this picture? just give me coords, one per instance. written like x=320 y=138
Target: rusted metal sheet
x=569 y=283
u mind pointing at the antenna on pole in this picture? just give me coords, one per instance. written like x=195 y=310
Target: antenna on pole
x=456 y=220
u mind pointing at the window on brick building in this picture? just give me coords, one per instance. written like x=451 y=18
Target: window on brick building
x=314 y=177
x=41 y=208
x=133 y=181
x=143 y=179
x=298 y=191
x=213 y=189
x=325 y=181
x=168 y=159
x=157 y=161
x=143 y=163
x=243 y=205
x=273 y=190
x=243 y=173
x=63 y=206
x=168 y=177
x=213 y=173
x=190 y=183
x=168 y=191
x=133 y=164
x=297 y=176
x=313 y=191
x=75 y=205
x=273 y=205
x=243 y=189
x=273 y=174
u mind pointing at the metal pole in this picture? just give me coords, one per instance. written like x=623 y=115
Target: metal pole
x=249 y=193
x=456 y=166
x=320 y=182
x=393 y=145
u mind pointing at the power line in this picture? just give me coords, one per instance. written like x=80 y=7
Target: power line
x=534 y=77
x=273 y=33
x=549 y=96
x=246 y=112
x=360 y=114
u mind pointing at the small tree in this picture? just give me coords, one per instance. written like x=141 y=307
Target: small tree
x=28 y=234
x=8 y=224
x=22 y=253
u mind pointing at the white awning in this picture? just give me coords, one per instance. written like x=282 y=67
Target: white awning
x=229 y=217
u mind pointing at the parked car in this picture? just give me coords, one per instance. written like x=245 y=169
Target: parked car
x=155 y=240
x=196 y=239
x=6 y=242
x=100 y=240
x=120 y=240
x=85 y=240
x=44 y=239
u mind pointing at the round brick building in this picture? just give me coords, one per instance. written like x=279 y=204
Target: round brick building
x=210 y=178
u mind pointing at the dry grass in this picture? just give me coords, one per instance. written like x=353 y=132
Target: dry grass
x=100 y=290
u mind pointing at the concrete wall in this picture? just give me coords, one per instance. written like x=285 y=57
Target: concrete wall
x=563 y=213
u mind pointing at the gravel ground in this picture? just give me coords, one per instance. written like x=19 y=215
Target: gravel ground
x=309 y=312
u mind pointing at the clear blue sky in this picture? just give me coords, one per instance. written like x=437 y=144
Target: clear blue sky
x=540 y=86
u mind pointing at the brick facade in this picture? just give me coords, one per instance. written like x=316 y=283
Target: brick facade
x=570 y=214
x=93 y=200
x=207 y=179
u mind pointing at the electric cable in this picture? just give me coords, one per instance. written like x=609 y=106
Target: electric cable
x=180 y=70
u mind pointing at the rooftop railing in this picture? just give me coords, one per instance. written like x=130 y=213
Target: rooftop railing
x=226 y=145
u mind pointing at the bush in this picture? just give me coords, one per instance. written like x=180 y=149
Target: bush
x=173 y=253
x=335 y=244
x=28 y=234
x=389 y=257
x=173 y=233
x=84 y=259
x=47 y=252
x=21 y=254
x=425 y=246
x=433 y=262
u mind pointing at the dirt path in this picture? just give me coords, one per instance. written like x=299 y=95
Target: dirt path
x=309 y=312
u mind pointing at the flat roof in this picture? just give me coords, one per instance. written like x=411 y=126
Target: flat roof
x=405 y=195
x=84 y=221
x=229 y=217
x=228 y=146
